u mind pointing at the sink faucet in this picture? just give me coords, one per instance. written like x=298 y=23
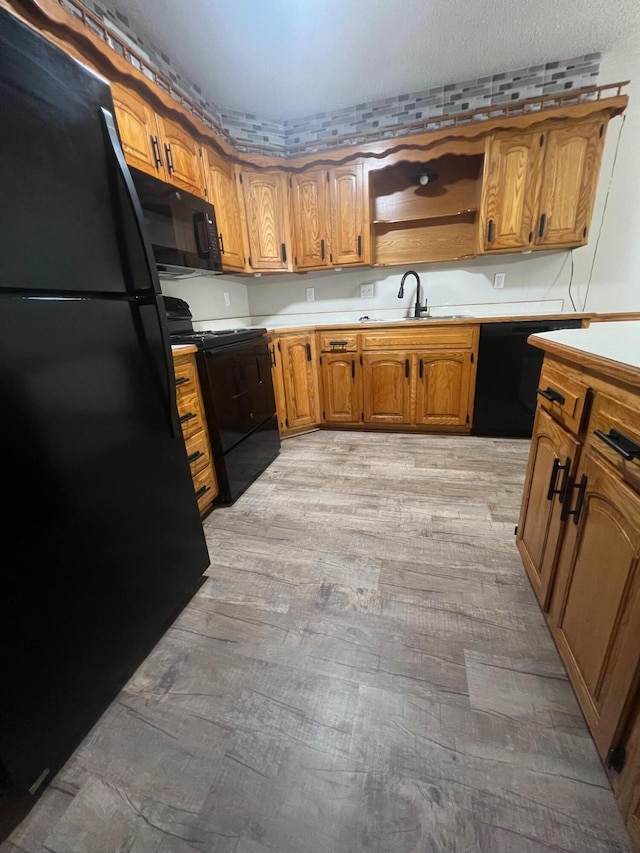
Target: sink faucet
x=419 y=309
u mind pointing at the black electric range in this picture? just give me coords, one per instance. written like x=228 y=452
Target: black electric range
x=234 y=367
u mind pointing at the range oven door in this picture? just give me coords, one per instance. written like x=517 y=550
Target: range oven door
x=238 y=391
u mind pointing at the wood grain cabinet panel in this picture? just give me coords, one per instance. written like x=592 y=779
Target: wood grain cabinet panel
x=194 y=429
x=568 y=188
x=221 y=191
x=342 y=388
x=386 y=381
x=182 y=157
x=513 y=170
x=595 y=610
x=442 y=397
x=299 y=374
x=552 y=462
x=267 y=222
x=627 y=784
x=311 y=219
x=138 y=130
x=347 y=214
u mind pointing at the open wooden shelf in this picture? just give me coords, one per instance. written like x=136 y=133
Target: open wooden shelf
x=427 y=218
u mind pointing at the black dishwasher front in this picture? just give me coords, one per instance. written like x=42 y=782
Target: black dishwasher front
x=507 y=376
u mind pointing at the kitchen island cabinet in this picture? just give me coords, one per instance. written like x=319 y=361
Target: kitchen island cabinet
x=580 y=543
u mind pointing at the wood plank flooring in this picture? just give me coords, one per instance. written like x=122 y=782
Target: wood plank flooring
x=366 y=669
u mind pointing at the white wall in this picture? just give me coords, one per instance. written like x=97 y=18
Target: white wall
x=606 y=273
x=205 y=295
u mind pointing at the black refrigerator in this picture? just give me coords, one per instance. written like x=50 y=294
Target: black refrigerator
x=101 y=540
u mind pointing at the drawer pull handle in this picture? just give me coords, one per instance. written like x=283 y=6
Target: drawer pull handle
x=582 y=488
x=194 y=456
x=552 y=395
x=202 y=491
x=188 y=417
x=562 y=491
x=338 y=343
x=181 y=380
x=626 y=447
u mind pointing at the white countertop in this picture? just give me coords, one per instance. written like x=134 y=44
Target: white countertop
x=619 y=341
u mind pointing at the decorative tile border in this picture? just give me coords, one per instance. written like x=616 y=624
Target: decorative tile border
x=376 y=119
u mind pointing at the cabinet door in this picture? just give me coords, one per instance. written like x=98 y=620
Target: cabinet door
x=552 y=461
x=342 y=388
x=310 y=219
x=138 y=132
x=264 y=195
x=511 y=185
x=444 y=384
x=300 y=382
x=275 y=349
x=627 y=785
x=569 y=181
x=347 y=214
x=182 y=157
x=221 y=185
x=595 y=608
x=386 y=383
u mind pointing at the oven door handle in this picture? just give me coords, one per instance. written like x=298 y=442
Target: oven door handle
x=168 y=380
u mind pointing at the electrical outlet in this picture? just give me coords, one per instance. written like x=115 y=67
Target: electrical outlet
x=227 y=299
x=498 y=280
x=366 y=291
x=311 y=294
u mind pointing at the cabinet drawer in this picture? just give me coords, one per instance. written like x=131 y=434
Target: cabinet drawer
x=620 y=424
x=338 y=341
x=186 y=377
x=563 y=395
x=198 y=451
x=189 y=415
x=205 y=487
x=447 y=337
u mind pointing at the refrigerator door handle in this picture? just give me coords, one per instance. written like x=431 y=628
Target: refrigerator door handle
x=116 y=148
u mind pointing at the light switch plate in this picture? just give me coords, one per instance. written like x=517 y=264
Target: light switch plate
x=310 y=294
x=366 y=291
x=227 y=299
x=498 y=280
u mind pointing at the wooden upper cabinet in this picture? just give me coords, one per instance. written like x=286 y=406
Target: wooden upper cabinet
x=552 y=461
x=341 y=387
x=138 y=132
x=221 y=191
x=298 y=356
x=444 y=380
x=386 y=383
x=267 y=221
x=569 y=182
x=311 y=219
x=513 y=169
x=595 y=609
x=156 y=145
x=347 y=214
x=182 y=157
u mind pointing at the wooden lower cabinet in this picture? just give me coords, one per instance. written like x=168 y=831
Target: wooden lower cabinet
x=341 y=388
x=595 y=611
x=627 y=782
x=194 y=428
x=443 y=385
x=386 y=382
x=297 y=378
x=552 y=460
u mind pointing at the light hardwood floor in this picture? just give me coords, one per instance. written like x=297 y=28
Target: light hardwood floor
x=366 y=669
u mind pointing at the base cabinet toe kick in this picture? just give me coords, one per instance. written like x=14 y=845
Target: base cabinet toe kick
x=579 y=539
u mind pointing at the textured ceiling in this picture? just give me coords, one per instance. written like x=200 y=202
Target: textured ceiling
x=286 y=58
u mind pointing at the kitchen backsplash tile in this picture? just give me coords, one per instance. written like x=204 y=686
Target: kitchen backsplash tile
x=382 y=118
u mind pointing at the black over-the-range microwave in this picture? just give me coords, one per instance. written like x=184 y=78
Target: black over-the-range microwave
x=181 y=228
